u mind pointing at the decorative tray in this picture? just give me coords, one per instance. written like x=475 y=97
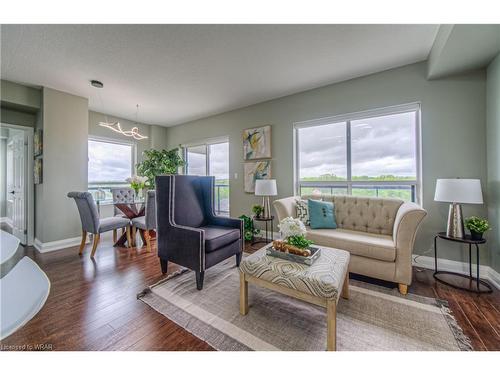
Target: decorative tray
x=315 y=253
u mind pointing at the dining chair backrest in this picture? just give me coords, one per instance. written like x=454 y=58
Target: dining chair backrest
x=122 y=195
x=87 y=209
x=151 y=209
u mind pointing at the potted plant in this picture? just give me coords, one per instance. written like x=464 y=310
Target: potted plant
x=257 y=209
x=248 y=228
x=477 y=227
x=293 y=232
x=158 y=163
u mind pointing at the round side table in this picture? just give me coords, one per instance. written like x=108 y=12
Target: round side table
x=267 y=220
x=476 y=284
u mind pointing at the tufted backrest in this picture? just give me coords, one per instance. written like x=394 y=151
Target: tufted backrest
x=122 y=195
x=372 y=215
x=87 y=209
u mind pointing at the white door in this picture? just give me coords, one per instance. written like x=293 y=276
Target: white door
x=17 y=193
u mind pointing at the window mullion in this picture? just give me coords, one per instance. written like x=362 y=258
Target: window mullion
x=348 y=149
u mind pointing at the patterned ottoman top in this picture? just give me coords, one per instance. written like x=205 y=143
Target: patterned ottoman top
x=323 y=279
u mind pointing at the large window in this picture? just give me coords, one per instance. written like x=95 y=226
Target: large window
x=110 y=164
x=211 y=159
x=371 y=153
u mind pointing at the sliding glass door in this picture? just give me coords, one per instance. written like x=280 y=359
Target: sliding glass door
x=211 y=159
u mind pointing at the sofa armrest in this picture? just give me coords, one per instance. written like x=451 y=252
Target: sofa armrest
x=406 y=224
x=285 y=207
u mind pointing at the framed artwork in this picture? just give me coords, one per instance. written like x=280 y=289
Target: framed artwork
x=38 y=142
x=260 y=170
x=38 y=171
x=257 y=143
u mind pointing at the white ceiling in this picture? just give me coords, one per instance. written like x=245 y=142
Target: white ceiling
x=179 y=73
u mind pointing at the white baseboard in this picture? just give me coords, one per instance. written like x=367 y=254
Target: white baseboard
x=57 y=245
x=485 y=272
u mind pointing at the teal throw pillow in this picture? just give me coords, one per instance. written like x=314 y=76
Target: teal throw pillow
x=321 y=214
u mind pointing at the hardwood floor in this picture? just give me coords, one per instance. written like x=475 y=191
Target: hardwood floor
x=92 y=305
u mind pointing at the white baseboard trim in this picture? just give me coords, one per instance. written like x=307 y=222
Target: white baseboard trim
x=57 y=245
x=6 y=220
x=485 y=272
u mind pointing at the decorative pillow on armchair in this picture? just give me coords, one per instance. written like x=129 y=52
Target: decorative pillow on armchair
x=321 y=214
x=302 y=211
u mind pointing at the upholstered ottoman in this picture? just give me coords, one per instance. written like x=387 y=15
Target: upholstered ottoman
x=320 y=284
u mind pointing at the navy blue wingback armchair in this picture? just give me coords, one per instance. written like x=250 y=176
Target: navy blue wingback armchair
x=188 y=231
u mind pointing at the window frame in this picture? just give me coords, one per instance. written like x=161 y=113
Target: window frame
x=119 y=142
x=207 y=143
x=348 y=118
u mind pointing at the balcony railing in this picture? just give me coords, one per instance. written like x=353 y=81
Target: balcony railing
x=102 y=193
x=222 y=199
x=384 y=189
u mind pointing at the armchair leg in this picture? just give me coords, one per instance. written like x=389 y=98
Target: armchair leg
x=94 y=245
x=403 y=289
x=200 y=275
x=238 y=259
x=82 y=244
x=164 y=266
x=115 y=235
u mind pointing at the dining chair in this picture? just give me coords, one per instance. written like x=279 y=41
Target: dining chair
x=147 y=222
x=121 y=195
x=92 y=223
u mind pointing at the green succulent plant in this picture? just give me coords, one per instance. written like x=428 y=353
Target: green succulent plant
x=477 y=224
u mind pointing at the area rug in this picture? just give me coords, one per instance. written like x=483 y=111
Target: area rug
x=374 y=318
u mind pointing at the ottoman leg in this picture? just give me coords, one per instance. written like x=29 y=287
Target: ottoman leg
x=331 y=316
x=345 y=287
x=243 y=294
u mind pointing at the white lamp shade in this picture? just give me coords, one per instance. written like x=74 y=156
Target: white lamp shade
x=266 y=188
x=458 y=190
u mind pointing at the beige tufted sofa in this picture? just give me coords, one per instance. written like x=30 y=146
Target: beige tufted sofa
x=379 y=233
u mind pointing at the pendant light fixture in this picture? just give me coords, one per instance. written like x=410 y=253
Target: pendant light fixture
x=115 y=126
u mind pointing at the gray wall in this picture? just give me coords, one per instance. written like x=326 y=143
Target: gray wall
x=65 y=127
x=453 y=133
x=493 y=137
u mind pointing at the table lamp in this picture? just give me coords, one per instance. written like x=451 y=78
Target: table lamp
x=265 y=189
x=456 y=191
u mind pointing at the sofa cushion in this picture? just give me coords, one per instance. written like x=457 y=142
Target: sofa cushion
x=321 y=214
x=217 y=236
x=369 y=245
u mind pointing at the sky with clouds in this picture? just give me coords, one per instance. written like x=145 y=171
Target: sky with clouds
x=219 y=160
x=109 y=162
x=380 y=146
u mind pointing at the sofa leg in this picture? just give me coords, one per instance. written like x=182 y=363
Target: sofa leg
x=200 y=275
x=403 y=289
x=164 y=266
x=238 y=259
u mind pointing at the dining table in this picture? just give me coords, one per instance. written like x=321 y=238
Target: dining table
x=131 y=210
